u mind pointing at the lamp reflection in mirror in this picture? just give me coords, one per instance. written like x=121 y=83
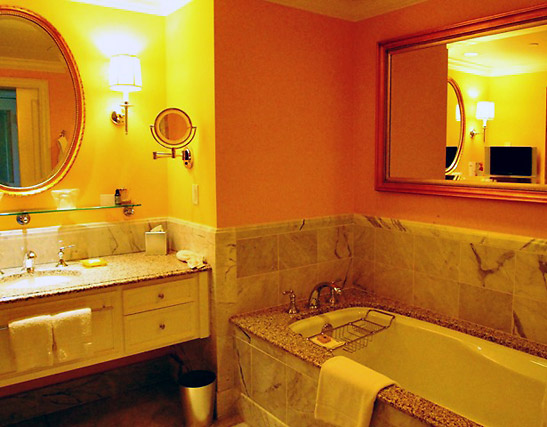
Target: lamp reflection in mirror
x=485 y=112
x=124 y=76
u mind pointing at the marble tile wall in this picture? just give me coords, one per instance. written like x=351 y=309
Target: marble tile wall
x=278 y=389
x=88 y=240
x=255 y=264
x=496 y=280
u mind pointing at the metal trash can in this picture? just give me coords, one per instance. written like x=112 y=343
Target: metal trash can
x=197 y=393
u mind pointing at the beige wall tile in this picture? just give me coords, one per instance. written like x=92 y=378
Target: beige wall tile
x=485 y=307
x=269 y=386
x=363 y=242
x=257 y=416
x=363 y=273
x=257 y=292
x=257 y=255
x=301 y=280
x=301 y=401
x=297 y=249
x=439 y=295
x=530 y=319
x=334 y=243
x=436 y=257
x=531 y=275
x=243 y=367
x=393 y=248
x=334 y=270
x=487 y=267
x=393 y=282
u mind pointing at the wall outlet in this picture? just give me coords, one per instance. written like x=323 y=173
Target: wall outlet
x=195 y=194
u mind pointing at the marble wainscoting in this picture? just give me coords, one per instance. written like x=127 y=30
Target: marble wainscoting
x=88 y=240
x=492 y=279
x=255 y=264
x=279 y=389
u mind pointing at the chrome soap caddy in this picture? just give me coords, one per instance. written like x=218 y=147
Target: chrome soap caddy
x=353 y=336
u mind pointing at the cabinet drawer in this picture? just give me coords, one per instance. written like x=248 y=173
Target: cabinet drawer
x=158 y=328
x=164 y=294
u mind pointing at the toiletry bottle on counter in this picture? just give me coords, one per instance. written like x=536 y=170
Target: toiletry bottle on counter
x=117 y=197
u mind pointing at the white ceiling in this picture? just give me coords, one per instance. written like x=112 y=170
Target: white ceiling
x=510 y=53
x=350 y=10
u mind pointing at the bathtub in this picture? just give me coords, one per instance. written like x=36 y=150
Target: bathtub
x=485 y=382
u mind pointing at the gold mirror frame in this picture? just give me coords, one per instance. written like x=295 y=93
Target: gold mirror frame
x=524 y=18
x=461 y=138
x=76 y=141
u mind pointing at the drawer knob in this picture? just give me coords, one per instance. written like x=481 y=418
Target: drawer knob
x=161 y=295
x=162 y=326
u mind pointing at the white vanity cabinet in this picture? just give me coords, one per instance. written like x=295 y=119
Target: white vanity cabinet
x=126 y=320
x=165 y=312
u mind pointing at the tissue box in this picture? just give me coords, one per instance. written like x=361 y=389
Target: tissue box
x=155 y=242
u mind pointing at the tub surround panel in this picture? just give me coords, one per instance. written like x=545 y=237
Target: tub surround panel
x=267 y=332
x=492 y=279
x=395 y=407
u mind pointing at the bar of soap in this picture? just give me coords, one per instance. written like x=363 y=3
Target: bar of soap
x=323 y=338
x=93 y=262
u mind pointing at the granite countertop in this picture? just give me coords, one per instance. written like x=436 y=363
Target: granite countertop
x=121 y=269
x=272 y=325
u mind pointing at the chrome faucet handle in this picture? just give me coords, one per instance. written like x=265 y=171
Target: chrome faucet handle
x=61 y=254
x=292 y=309
x=28 y=261
x=335 y=291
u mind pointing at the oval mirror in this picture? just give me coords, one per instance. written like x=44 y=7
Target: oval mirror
x=455 y=126
x=41 y=103
x=173 y=128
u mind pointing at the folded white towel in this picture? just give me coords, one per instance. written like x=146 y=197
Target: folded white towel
x=32 y=342
x=191 y=258
x=347 y=391
x=72 y=334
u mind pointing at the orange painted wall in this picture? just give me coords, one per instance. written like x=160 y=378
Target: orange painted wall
x=284 y=106
x=418 y=125
x=510 y=217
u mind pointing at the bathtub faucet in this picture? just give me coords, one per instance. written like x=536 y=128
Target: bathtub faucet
x=335 y=291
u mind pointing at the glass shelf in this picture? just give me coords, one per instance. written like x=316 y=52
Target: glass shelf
x=89 y=208
x=23 y=216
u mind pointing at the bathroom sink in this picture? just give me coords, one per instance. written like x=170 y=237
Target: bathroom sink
x=38 y=280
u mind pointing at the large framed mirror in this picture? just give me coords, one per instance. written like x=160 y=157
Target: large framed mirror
x=496 y=69
x=41 y=103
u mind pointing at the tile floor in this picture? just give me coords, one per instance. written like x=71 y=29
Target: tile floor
x=154 y=406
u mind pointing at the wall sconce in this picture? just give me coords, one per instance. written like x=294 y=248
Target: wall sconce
x=485 y=112
x=124 y=76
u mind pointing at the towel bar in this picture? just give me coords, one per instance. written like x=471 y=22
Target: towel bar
x=94 y=310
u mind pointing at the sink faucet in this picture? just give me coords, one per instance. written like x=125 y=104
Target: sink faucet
x=28 y=262
x=335 y=291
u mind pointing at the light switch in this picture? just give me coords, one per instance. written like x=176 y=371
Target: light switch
x=195 y=194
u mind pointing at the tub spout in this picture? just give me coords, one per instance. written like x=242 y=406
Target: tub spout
x=314 y=301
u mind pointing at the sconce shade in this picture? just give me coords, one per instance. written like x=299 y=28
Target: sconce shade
x=485 y=110
x=125 y=73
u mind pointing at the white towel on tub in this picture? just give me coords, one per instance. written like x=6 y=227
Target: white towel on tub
x=347 y=391
x=72 y=334
x=31 y=342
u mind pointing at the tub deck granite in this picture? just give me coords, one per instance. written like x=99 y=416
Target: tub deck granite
x=121 y=269
x=272 y=325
